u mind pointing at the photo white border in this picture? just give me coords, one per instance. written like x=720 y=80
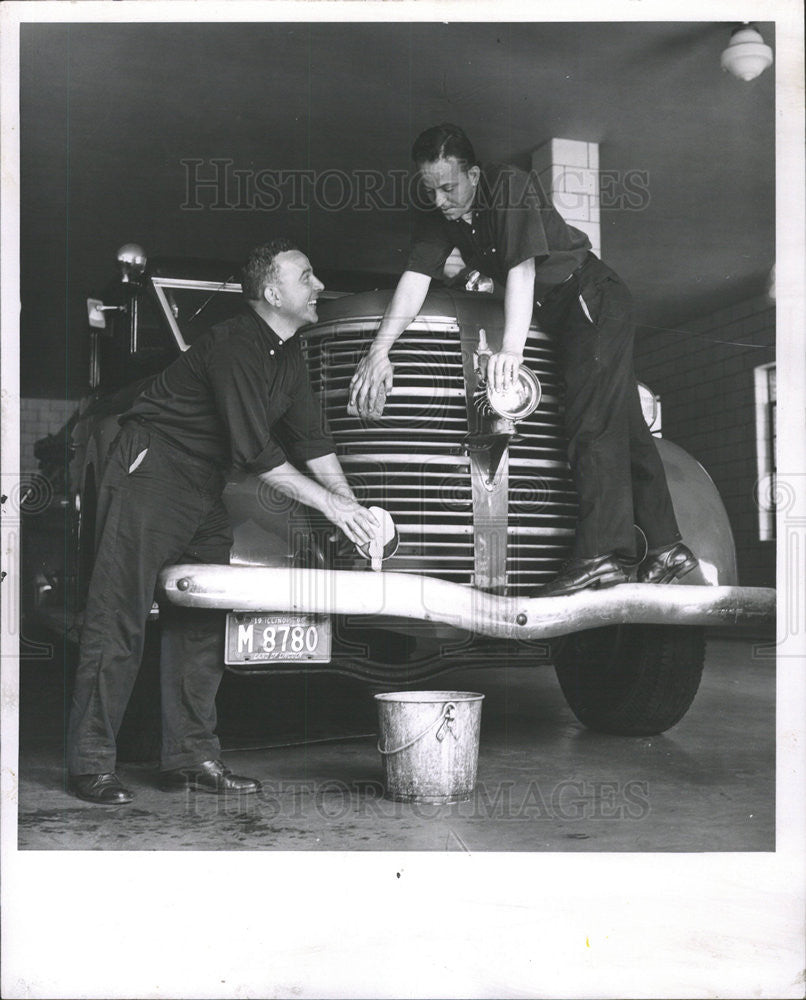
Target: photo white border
x=264 y=924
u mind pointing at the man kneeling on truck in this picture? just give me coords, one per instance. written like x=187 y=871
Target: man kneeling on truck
x=220 y=405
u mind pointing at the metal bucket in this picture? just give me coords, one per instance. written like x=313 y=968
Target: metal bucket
x=429 y=741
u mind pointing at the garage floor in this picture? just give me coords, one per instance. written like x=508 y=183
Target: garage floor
x=545 y=783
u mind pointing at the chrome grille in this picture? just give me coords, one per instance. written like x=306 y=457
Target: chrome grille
x=431 y=504
x=542 y=514
x=409 y=461
x=428 y=397
x=542 y=499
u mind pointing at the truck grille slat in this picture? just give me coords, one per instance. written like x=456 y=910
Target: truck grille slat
x=345 y=366
x=412 y=385
x=361 y=438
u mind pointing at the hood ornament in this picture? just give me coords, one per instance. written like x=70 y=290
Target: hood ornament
x=498 y=412
x=516 y=403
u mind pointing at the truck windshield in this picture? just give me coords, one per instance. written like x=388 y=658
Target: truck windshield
x=191 y=307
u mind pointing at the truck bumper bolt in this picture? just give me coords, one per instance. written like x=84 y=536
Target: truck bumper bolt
x=522 y=619
x=183 y=584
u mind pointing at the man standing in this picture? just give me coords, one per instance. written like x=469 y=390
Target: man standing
x=504 y=226
x=221 y=404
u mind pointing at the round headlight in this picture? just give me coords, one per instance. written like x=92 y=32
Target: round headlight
x=521 y=400
x=132 y=262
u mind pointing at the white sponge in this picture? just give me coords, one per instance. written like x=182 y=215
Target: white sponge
x=385 y=541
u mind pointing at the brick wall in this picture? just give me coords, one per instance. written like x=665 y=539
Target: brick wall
x=39 y=417
x=703 y=371
x=569 y=173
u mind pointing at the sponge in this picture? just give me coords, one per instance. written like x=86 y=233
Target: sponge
x=385 y=541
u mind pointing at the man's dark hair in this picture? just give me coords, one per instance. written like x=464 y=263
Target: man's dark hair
x=260 y=268
x=441 y=141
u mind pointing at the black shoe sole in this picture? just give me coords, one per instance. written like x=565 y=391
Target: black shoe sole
x=192 y=786
x=675 y=574
x=600 y=583
x=102 y=802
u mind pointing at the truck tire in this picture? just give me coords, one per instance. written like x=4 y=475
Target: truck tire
x=630 y=680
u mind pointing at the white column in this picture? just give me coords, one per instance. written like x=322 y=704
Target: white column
x=569 y=172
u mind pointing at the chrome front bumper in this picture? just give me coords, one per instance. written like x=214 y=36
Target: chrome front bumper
x=408 y=595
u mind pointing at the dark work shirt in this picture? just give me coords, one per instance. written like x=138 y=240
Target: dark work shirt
x=240 y=397
x=513 y=219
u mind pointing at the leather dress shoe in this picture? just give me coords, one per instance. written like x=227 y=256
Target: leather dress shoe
x=581 y=574
x=209 y=776
x=667 y=565
x=103 y=789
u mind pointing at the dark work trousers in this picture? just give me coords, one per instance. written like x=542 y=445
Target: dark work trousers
x=617 y=470
x=157 y=505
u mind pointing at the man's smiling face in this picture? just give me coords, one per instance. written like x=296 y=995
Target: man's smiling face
x=296 y=286
x=451 y=187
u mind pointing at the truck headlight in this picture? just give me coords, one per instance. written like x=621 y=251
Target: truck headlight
x=521 y=400
x=132 y=262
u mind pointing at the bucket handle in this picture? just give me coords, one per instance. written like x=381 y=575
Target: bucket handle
x=446 y=717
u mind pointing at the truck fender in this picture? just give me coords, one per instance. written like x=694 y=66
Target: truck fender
x=701 y=516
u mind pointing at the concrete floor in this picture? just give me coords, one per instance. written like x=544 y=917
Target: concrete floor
x=544 y=782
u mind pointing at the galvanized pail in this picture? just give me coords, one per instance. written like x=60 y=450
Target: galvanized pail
x=429 y=741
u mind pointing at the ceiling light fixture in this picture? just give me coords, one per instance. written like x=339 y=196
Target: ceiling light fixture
x=746 y=56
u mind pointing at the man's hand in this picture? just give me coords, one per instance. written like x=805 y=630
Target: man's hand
x=370 y=384
x=357 y=523
x=502 y=370
x=331 y=495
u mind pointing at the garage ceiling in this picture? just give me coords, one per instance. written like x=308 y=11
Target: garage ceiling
x=110 y=113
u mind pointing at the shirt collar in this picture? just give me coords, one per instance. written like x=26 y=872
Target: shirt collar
x=479 y=200
x=274 y=341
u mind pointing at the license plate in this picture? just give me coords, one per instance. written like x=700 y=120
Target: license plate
x=269 y=636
